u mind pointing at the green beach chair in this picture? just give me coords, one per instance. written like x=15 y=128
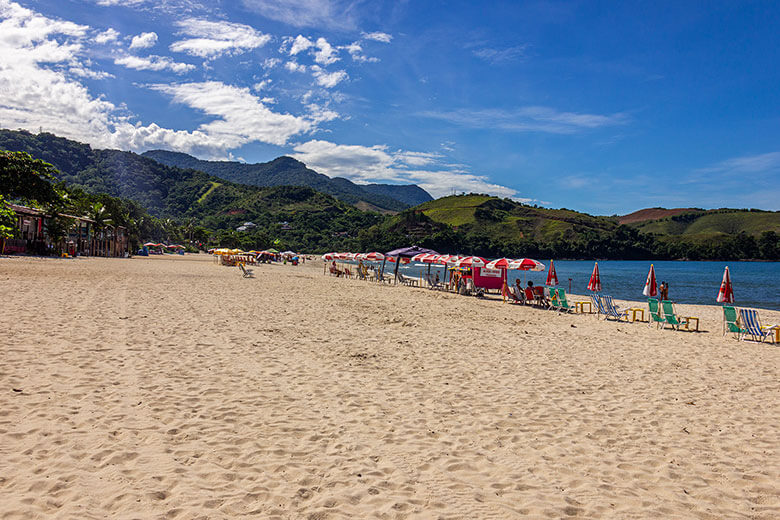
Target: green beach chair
x=731 y=321
x=670 y=317
x=563 y=304
x=656 y=316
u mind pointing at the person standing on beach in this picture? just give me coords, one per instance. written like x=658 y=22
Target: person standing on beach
x=663 y=291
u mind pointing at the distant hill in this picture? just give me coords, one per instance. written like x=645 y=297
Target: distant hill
x=316 y=220
x=651 y=214
x=701 y=224
x=489 y=226
x=288 y=171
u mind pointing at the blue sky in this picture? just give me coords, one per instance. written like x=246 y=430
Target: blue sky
x=604 y=107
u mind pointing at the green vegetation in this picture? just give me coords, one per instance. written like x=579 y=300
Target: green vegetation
x=170 y=204
x=286 y=171
x=489 y=226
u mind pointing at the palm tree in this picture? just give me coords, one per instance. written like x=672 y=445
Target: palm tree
x=97 y=212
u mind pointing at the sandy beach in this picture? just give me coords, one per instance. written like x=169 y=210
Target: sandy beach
x=170 y=387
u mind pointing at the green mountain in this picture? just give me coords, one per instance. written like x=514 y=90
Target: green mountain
x=489 y=226
x=303 y=218
x=288 y=171
x=313 y=219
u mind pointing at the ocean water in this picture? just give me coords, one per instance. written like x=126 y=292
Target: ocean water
x=756 y=284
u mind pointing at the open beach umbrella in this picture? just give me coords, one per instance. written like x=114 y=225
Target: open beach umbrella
x=552 y=276
x=407 y=253
x=374 y=256
x=594 y=284
x=526 y=264
x=651 y=289
x=726 y=292
x=471 y=261
x=499 y=263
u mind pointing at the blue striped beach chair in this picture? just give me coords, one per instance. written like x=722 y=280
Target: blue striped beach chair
x=751 y=325
x=598 y=305
x=612 y=309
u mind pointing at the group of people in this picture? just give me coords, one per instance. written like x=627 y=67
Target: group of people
x=531 y=293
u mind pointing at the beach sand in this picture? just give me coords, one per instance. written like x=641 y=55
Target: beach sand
x=170 y=387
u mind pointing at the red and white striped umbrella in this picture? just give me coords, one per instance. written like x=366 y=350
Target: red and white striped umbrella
x=552 y=276
x=726 y=292
x=651 y=289
x=526 y=264
x=447 y=259
x=499 y=263
x=426 y=258
x=328 y=256
x=374 y=256
x=594 y=284
x=471 y=261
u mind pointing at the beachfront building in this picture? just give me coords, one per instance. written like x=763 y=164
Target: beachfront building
x=32 y=238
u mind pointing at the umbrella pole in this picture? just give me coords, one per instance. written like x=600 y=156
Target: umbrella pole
x=381 y=276
x=395 y=273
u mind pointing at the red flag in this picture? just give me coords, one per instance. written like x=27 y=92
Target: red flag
x=651 y=289
x=726 y=292
x=595 y=280
x=552 y=276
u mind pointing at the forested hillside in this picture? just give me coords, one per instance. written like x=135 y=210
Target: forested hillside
x=288 y=171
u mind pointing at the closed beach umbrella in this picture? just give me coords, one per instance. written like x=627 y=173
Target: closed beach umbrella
x=595 y=280
x=726 y=292
x=651 y=289
x=552 y=276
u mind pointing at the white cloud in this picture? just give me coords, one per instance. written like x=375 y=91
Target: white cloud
x=501 y=55
x=294 y=66
x=241 y=116
x=261 y=85
x=300 y=44
x=378 y=36
x=355 y=50
x=109 y=35
x=528 y=119
x=154 y=62
x=761 y=163
x=166 y=6
x=36 y=51
x=332 y=14
x=326 y=53
x=144 y=40
x=212 y=39
x=84 y=72
x=320 y=114
x=270 y=63
x=378 y=164
x=328 y=79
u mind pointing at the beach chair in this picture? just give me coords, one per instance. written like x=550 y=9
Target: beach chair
x=656 y=316
x=752 y=326
x=552 y=299
x=600 y=309
x=433 y=284
x=516 y=296
x=612 y=309
x=670 y=316
x=246 y=273
x=731 y=321
x=530 y=297
x=562 y=304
